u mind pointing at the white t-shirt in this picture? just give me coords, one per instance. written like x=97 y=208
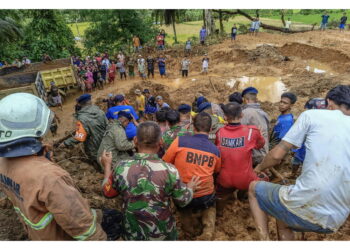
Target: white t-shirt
x=321 y=194
x=205 y=64
x=288 y=24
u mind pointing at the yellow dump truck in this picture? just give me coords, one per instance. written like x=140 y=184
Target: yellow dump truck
x=36 y=79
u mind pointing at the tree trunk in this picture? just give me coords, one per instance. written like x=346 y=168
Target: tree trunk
x=282 y=18
x=210 y=24
x=204 y=18
x=221 y=23
x=265 y=26
x=174 y=29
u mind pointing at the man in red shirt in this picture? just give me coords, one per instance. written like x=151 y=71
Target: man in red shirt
x=193 y=156
x=235 y=142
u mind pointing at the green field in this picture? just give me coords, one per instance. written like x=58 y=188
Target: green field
x=190 y=29
x=311 y=19
x=183 y=30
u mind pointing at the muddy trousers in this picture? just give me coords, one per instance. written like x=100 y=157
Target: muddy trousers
x=192 y=220
x=221 y=201
x=200 y=211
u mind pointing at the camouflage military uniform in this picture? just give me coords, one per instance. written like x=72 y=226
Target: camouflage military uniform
x=170 y=135
x=94 y=124
x=147 y=185
x=115 y=141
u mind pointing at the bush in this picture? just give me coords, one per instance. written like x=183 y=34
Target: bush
x=243 y=28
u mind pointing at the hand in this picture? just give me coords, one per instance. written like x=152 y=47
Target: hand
x=194 y=183
x=61 y=146
x=106 y=159
x=257 y=168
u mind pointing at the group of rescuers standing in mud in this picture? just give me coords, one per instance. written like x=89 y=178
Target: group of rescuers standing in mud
x=194 y=156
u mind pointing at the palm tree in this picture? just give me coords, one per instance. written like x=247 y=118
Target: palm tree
x=9 y=30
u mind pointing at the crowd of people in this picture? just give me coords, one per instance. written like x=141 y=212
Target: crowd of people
x=194 y=155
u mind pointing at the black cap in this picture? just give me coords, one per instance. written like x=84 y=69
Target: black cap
x=184 y=108
x=119 y=98
x=83 y=98
x=125 y=114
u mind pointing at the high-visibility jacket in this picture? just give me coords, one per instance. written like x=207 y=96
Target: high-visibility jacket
x=47 y=201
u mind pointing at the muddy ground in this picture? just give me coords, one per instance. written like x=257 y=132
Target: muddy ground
x=290 y=58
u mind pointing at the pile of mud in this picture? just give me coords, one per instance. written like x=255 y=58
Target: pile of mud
x=266 y=51
x=86 y=178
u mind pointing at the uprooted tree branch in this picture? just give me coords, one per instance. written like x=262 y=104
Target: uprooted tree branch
x=265 y=26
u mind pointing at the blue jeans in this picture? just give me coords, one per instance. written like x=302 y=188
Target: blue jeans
x=267 y=195
x=323 y=25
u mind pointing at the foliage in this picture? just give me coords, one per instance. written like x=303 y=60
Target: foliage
x=113 y=30
x=43 y=31
x=243 y=28
x=48 y=33
x=9 y=30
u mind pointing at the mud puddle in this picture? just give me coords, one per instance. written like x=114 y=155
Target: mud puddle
x=318 y=67
x=270 y=88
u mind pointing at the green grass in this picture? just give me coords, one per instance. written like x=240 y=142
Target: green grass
x=81 y=27
x=189 y=29
x=311 y=19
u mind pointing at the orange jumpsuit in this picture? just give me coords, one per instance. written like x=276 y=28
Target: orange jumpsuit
x=47 y=201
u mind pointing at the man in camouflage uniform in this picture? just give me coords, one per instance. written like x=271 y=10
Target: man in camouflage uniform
x=217 y=122
x=175 y=128
x=90 y=127
x=115 y=139
x=147 y=185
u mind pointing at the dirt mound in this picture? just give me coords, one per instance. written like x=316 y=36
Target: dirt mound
x=266 y=51
x=325 y=55
x=311 y=87
x=87 y=179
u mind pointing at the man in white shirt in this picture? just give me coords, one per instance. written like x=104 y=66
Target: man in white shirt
x=288 y=24
x=320 y=199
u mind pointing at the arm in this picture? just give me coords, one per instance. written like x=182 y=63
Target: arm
x=275 y=156
x=180 y=192
x=260 y=141
x=170 y=154
x=134 y=114
x=121 y=141
x=80 y=135
x=69 y=209
x=107 y=184
x=217 y=165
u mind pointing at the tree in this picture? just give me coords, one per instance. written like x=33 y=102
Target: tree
x=169 y=18
x=209 y=22
x=48 y=33
x=113 y=29
x=265 y=26
x=9 y=30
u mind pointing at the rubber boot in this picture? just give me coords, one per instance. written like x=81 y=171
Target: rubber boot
x=208 y=221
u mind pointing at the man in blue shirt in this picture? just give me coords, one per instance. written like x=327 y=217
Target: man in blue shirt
x=112 y=113
x=285 y=120
x=324 y=22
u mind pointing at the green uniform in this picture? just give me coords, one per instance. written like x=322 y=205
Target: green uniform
x=170 y=135
x=147 y=185
x=115 y=141
x=95 y=123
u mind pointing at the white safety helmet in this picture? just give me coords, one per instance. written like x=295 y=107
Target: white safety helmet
x=23 y=115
